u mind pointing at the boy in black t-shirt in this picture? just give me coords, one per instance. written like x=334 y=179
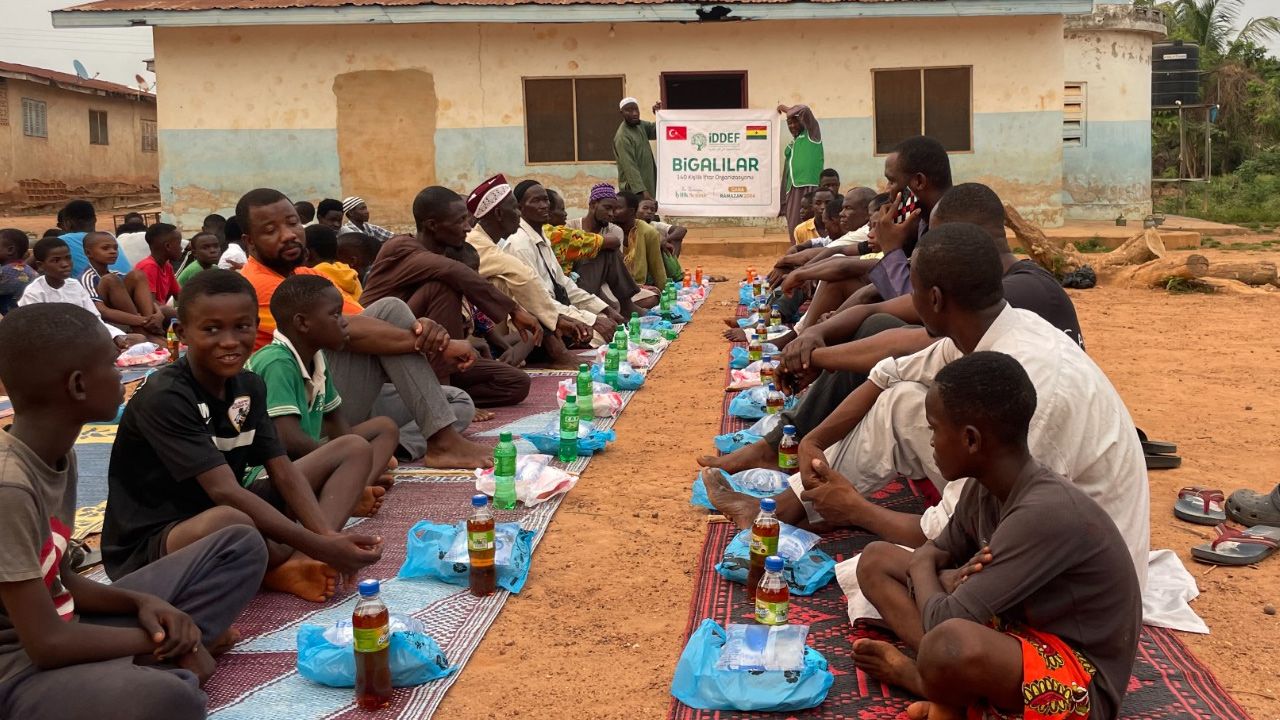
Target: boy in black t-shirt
x=72 y=648
x=186 y=438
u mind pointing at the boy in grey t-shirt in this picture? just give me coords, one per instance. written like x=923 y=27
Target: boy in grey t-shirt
x=1028 y=602
x=71 y=648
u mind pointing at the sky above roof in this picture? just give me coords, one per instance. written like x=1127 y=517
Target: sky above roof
x=28 y=36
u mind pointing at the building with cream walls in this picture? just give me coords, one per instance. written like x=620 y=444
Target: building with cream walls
x=379 y=98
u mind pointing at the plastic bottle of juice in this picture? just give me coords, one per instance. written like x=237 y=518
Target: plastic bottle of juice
x=620 y=339
x=664 y=301
x=171 y=339
x=774 y=400
x=754 y=346
x=480 y=547
x=586 y=393
x=775 y=316
x=773 y=597
x=755 y=287
x=504 y=473
x=371 y=627
x=751 y=274
x=766 y=369
x=764 y=542
x=633 y=326
x=612 y=360
x=688 y=279
x=569 y=430
x=789 y=449
x=762 y=330
x=697 y=275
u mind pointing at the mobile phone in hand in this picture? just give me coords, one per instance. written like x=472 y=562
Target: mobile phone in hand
x=909 y=203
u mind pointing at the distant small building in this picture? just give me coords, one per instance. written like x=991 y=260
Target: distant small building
x=62 y=135
x=1048 y=101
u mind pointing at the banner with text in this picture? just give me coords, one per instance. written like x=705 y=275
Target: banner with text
x=719 y=163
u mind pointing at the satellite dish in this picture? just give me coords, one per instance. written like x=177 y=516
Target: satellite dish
x=80 y=71
x=142 y=82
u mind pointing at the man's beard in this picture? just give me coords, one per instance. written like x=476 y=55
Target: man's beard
x=282 y=266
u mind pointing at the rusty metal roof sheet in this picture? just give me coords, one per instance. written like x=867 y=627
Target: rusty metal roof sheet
x=200 y=5
x=17 y=71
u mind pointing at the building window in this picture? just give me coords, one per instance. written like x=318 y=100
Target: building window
x=4 y=101
x=149 y=143
x=924 y=101
x=1073 y=112
x=571 y=119
x=34 y=118
x=97 y=127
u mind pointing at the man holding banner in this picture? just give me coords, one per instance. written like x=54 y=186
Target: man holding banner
x=637 y=173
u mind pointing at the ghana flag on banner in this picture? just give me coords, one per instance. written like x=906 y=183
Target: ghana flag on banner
x=757 y=132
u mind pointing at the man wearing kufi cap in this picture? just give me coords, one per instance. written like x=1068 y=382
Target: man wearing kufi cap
x=358 y=220
x=497 y=218
x=637 y=172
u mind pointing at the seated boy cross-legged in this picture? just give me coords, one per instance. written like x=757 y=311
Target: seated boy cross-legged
x=187 y=436
x=1028 y=602
x=72 y=648
x=301 y=399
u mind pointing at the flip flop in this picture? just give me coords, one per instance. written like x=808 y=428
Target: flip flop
x=1238 y=547
x=1252 y=508
x=1163 y=462
x=1155 y=447
x=1199 y=505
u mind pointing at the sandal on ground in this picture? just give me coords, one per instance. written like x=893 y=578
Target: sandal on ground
x=1239 y=547
x=1163 y=462
x=1252 y=508
x=1199 y=505
x=1155 y=447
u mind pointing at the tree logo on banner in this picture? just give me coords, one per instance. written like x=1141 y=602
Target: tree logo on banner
x=699 y=140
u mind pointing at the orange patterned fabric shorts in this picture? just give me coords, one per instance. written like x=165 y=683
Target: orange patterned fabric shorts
x=1055 y=679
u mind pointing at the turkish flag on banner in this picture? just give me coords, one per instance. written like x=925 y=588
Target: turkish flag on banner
x=677 y=132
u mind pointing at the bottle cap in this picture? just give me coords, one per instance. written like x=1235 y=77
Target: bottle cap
x=635 y=316
x=773 y=563
x=584 y=368
x=479 y=500
x=788 y=429
x=570 y=400
x=505 y=435
x=775 y=307
x=768 y=357
x=772 y=388
x=768 y=504
x=369 y=588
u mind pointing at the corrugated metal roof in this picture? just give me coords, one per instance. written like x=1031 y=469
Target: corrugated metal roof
x=199 y=5
x=69 y=80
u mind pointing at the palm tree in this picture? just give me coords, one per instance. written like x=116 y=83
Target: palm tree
x=1211 y=24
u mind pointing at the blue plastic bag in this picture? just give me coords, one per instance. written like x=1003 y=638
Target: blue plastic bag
x=591 y=439
x=433 y=552
x=324 y=657
x=699 y=684
x=729 y=442
x=750 y=403
x=628 y=378
x=756 y=482
x=806 y=573
x=739 y=358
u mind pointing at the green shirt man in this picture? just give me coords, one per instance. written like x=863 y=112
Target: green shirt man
x=637 y=172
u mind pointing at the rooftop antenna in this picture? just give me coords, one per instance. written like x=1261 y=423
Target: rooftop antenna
x=80 y=71
x=143 y=85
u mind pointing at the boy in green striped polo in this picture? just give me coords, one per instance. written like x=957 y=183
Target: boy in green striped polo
x=301 y=399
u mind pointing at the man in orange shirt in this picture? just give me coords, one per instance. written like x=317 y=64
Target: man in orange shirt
x=384 y=370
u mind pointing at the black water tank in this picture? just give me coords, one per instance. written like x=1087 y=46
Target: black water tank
x=1175 y=74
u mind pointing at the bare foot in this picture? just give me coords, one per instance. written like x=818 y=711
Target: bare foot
x=370 y=502
x=309 y=579
x=483 y=415
x=385 y=481
x=738 y=507
x=759 y=454
x=448 y=449
x=887 y=664
x=224 y=642
x=933 y=711
x=735 y=334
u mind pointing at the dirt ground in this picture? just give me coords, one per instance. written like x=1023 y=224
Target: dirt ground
x=597 y=630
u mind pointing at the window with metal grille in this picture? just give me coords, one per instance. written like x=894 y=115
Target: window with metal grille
x=4 y=101
x=97 y=127
x=923 y=101
x=149 y=142
x=571 y=119
x=1073 y=114
x=34 y=118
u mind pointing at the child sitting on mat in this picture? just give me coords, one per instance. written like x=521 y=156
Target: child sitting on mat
x=123 y=300
x=187 y=436
x=301 y=399
x=72 y=648
x=15 y=274
x=206 y=248
x=53 y=260
x=1028 y=602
